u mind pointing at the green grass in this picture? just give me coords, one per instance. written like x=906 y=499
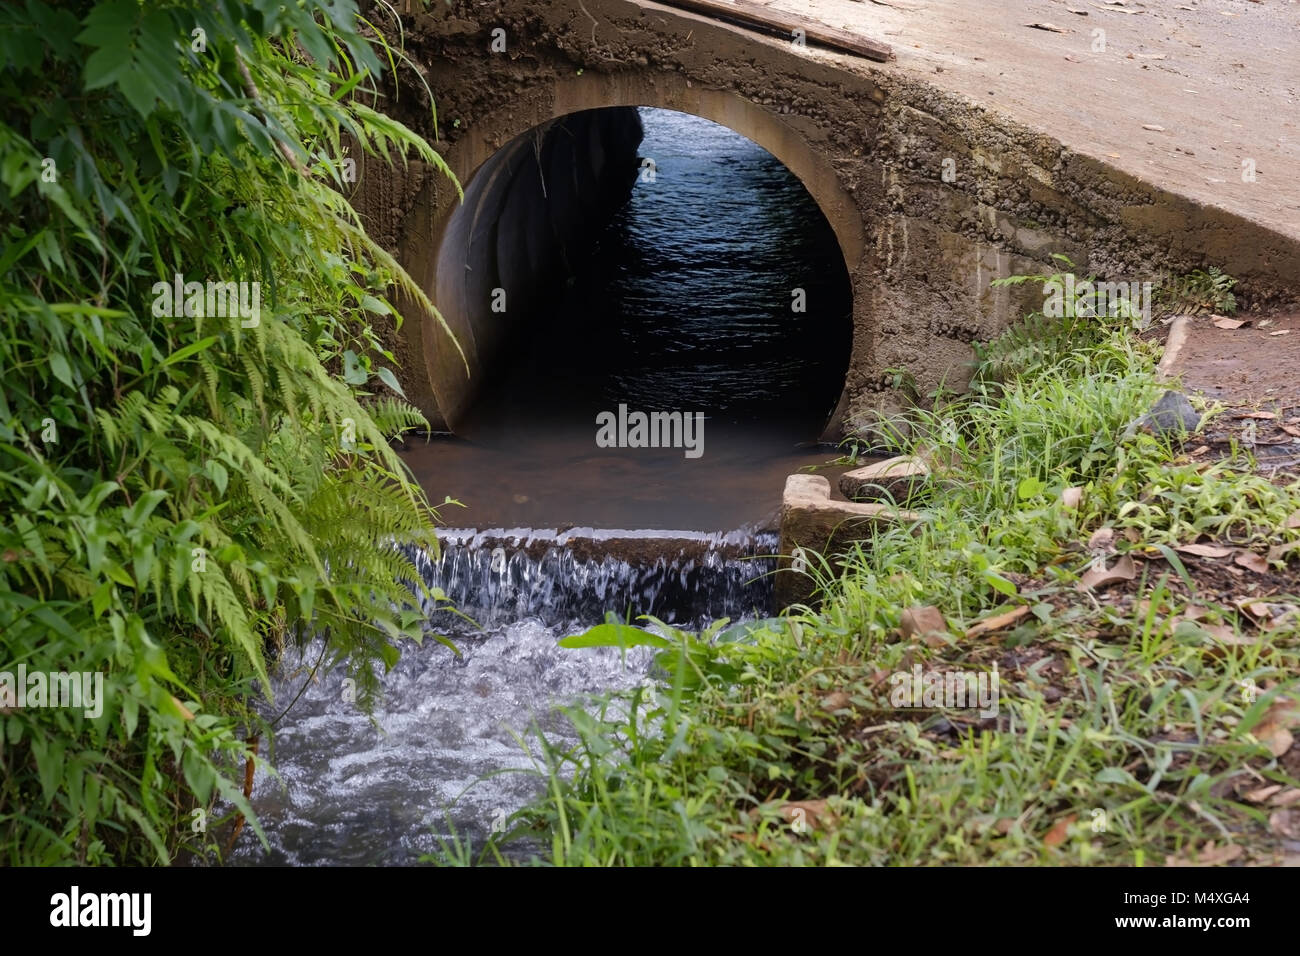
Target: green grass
x=1126 y=732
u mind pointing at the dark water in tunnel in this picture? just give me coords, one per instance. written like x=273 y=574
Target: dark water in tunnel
x=687 y=302
x=684 y=306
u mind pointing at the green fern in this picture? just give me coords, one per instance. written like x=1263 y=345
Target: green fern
x=198 y=506
x=1198 y=293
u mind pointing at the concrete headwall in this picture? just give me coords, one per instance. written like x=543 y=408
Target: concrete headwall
x=871 y=145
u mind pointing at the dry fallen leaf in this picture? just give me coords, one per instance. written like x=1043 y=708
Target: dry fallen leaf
x=1285 y=823
x=1115 y=6
x=1096 y=578
x=1281 y=332
x=1262 y=794
x=1071 y=497
x=1278 y=742
x=1279 y=551
x=1261 y=416
x=1005 y=825
x=997 y=621
x=1251 y=561
x=1226 y=635
x=1272 y=731
x=1286 y=798
x=1223 y=322
x=1101 y=539
x=1255 y=608
x=1060 y=830
x=1046 y=26
x=811 y=812
x=1293 y=520
x=1208 y=855
x=837 y=700
x=1204 y=550
x=922 y=619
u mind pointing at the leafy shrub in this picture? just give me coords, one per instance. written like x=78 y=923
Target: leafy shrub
x=183 y=491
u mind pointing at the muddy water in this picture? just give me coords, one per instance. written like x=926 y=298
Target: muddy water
x=685 y=307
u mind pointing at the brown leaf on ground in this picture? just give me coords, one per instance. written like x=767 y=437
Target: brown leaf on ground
x=1293 y=520
x=922 y=619
x=1256 y=609
x=1259 y=416
x=1273 y=729
x=1262 y=794
x=1278 y=741
x=1286 y=798
x=1101 y=539
x=1051 y=27
x=1285 y=823
x=1208 y=855
x=1279 y=551
x=1265 y=615
x=1097 y=578
x=1251 y=562
x=1005 y=825
x=811 y=812
x=1226 y=635
x=1204 y=550
x=837 y=700
x=1223 y=322
x=1060 y=830
x=997 y=621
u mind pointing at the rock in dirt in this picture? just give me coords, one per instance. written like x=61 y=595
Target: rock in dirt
x=896 y=478
x=1172 y=415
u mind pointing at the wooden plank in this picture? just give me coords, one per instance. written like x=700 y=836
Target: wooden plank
x=749 y=14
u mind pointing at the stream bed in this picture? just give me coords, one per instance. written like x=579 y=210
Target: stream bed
x=686 y=306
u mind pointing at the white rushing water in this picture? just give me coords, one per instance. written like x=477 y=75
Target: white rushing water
x=356 y=789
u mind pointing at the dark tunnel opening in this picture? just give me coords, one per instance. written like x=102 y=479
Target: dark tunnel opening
x=690 y=274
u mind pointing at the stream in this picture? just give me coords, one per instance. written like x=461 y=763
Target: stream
x=685 y=306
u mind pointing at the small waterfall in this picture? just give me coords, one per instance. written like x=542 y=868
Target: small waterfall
x=683 y=578
x=440 y=750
